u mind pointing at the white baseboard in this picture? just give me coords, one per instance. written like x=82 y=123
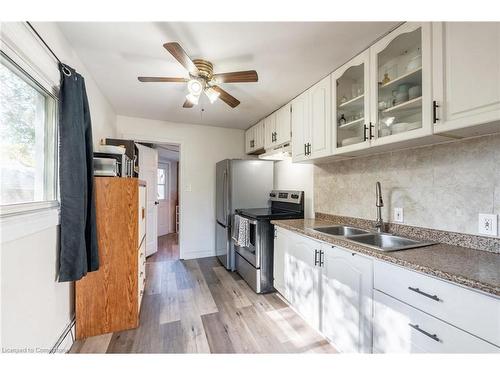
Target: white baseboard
x=197 y=254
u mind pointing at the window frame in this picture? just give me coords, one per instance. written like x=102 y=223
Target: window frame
x=51 y=137
x=165 y=191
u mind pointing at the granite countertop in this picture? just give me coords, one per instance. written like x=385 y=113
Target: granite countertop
x=465 y=266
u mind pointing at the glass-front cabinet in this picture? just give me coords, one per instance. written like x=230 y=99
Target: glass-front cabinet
x=351 y=104
x=401 y=102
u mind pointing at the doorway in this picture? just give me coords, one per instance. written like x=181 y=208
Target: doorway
x=167 y=188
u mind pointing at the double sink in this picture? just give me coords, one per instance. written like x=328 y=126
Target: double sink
x=379 y=241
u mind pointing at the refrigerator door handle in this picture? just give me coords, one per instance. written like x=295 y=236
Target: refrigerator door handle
x=224 y=195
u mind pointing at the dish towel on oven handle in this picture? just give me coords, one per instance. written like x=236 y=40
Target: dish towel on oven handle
x=241 y=231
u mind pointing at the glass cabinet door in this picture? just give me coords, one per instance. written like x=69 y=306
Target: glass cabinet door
x=398 y=69
x=350 y=100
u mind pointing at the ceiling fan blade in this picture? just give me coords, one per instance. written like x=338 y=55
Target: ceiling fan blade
x=233 y=77
x=180 y=55
x=226 y=97
x=162 y=79
x=187 y=104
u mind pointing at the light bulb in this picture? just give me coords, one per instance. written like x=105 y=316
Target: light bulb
x=195 y=87
x=212 y=94
x=193 y=98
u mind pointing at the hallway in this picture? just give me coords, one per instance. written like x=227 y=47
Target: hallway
x=196 y=306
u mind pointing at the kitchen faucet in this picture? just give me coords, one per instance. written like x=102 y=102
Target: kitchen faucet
x=379 y=225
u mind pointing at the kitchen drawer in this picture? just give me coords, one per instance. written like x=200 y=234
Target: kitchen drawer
x=471 y=311
x=398 y=327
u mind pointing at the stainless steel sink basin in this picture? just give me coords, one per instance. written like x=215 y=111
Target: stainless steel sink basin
x=388 y=242
x=340 y=230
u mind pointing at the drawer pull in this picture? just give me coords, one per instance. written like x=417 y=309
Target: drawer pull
x=416 y=290
x=417 y=328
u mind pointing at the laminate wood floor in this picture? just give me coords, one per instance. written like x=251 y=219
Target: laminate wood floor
x=196 y=306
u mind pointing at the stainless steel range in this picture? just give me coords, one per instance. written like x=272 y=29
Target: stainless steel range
x=254 y=259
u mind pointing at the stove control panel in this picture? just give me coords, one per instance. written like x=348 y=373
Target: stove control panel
x=290 y=196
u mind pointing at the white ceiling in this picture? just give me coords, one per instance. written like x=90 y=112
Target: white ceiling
x=288 y=56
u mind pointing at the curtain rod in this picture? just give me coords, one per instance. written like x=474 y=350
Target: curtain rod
x=65 y=69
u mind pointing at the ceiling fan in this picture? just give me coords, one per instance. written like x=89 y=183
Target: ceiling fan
x=202 y=78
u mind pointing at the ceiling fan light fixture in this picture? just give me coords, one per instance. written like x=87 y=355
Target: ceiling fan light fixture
x=193 y=98
x=212 y=95
x=195 y=86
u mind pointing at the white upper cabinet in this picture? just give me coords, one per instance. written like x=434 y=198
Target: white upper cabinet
x=249 y=140
x=346 y=299
x=321 y=119
x=283 y=125
x=277 y=127
x=351 y=105
x=466 y=80
x=270 y=131
x=259 y=135
x=300 y=126
x=311 y=122
x=400 y=85
x=254 y=138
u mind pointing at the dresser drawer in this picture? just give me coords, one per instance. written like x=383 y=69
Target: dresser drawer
x=400 y=328
x=471 y=311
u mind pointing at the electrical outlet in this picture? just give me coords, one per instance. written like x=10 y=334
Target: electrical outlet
x=398 y=215
x=488 y=224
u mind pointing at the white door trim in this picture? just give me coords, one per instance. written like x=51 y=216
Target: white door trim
x=167 y=166
x=181 y=166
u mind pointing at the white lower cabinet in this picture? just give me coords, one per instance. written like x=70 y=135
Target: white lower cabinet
x=400 y=328
x=346 y=299
x=302 y=277
x=362 y=304
x=328 y=286
x=280 y=258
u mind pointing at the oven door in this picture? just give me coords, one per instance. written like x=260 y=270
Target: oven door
x=252 y=252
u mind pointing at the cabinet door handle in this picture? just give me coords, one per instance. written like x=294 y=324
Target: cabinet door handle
x=315 y=257
x=431 y=335
x=371 y=130
x=321 y=258
x=308 y=149
x=435 y=106
x=365 y=129
x=416 y=290
x=305 y=149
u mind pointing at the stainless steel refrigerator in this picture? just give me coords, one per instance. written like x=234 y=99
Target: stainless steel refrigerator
x=239 y=184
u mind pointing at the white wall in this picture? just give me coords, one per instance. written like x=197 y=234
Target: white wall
x=296 y=176
x=201 y=148
x=35 y=307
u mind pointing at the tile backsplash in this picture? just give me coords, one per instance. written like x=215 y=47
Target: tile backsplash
x=442 y=187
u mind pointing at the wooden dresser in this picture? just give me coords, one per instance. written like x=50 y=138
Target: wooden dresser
x=109 y=299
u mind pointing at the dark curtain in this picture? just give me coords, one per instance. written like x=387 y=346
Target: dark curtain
x=78 y=252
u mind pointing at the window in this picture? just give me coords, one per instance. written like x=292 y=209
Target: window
x=161 y=184
x=28 y=141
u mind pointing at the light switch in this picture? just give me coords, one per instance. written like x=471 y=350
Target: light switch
x=488 y=224
x=189 y=187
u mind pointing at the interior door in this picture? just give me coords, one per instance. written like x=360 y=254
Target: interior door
x=346 y=290
x=148 y=171
x=164 y=205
